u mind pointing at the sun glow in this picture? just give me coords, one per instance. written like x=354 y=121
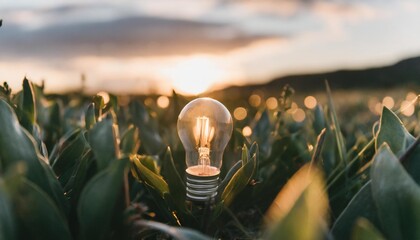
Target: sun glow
x=195 y=75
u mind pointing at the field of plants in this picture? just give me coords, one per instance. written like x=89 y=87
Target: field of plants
x=113 y=167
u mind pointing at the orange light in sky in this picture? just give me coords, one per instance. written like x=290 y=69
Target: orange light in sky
x=195 y=75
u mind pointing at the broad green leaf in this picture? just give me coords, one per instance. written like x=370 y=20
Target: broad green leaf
x=254 y=149
x=175 y=183
x=70 y=152
x=175 y=232
x=228 y=177
x=55 y=118
x=27 y=108
x=98 y=200
x=90 y=118
x=80 y=177
x=396 y=195
x=361 y=205
x=393 y=132
x=143 y=173
x=239 y=181
x=364 y=230
x=38 y=216
x=130 y=142
x=151 y=163
x=151 y=140
x=7 y=217
x=17 y=145
x=300 y=209
x=57 y=189
x=102 y=142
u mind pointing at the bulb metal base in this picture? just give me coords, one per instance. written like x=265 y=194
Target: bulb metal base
x=201 y=188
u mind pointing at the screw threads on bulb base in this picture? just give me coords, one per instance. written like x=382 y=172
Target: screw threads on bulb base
x=201 y=188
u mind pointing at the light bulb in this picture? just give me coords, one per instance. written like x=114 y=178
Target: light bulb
x=204 y=127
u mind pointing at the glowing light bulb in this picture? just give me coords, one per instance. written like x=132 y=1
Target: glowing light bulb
x=204 y=127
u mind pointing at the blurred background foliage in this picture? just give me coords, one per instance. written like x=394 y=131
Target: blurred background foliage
x=297 y=167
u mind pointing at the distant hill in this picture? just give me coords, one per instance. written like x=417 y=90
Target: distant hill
x=403 y=73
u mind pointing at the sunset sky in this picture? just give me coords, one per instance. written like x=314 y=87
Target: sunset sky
x=156 y=45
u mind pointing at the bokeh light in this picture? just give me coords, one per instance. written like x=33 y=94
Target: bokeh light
x=310 y=102
x=372 y=104
x=299 y=115
x=407 y=108
x=388 y=102
x=149 y=102
x=411 y=96
x=293 y=108
x=271 y=103
x=310 y=147
x=123 y=100
x=247 y=131
x=163 y=101
x=240 y=113
x=378 y=108
x=254 y=100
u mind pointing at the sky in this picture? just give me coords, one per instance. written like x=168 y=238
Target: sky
x=192 y=46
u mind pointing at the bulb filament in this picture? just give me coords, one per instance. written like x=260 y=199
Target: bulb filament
x=203 y=135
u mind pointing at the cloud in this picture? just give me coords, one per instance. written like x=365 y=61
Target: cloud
x=124 y=37
x=134 y=42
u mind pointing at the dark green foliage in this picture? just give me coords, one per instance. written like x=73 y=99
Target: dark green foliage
x=99 y=199
x=66 y=173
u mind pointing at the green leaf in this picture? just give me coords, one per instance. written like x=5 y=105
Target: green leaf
x=102 y=142
x=7 y=218
x=239 y=181
x=393 y=132
x=300 y=209
x=144 y=174
x=175 y=232
x=17 y=145
x=99 y=104
x=28 y=112
x=80 y=176
x=175 y=183
x=55 y=118
x=57 y=189
x=150 y=163
x=364 y=230
x=245 y=155
x=37 y=214
x=318 y=147
x=396 y=195
x=361 y=205
x=90 y=118
x=319 y=119
x=151 y=140
x=72 y=149
x=130 y=142
x=335 y=125
x=229 y=176
x=261 y=132
x=98 y=200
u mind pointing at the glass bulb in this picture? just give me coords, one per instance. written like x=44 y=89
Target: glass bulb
x=204 y=127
